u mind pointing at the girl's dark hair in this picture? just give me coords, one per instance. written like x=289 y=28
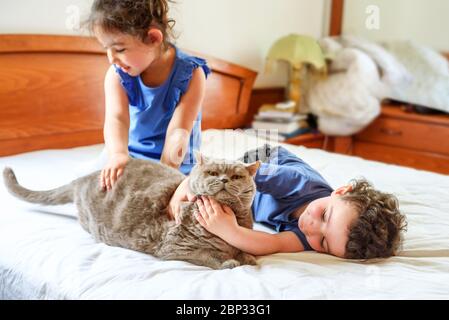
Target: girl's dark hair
x=132 y=17
x=377 y=232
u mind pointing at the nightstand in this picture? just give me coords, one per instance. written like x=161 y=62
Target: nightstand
x=402 y=137
x=309 y=140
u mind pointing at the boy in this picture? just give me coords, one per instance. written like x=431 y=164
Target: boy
x=353 y=222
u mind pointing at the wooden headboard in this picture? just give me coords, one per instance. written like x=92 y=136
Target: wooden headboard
x=51 y=92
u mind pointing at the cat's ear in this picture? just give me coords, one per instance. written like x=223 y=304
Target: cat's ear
x=252 y=167
x=200 y=159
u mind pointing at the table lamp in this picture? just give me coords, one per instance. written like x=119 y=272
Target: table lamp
x=304 y=55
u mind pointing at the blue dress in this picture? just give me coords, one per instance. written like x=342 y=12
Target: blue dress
x=151 y=109
x=284 y=183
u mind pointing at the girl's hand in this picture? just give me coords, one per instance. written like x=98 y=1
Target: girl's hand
x=181 y=194
x=113 y=170
x=216 y=218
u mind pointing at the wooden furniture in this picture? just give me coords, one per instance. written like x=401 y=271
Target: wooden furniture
x=228 y=92
x=405 y=138
x=336 y=17
x=262 y=96
x=309 y=140
x=275 y=95
x=397 y=136
x=51 y=92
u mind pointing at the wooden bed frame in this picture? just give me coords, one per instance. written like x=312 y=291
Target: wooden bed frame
x=51 y=92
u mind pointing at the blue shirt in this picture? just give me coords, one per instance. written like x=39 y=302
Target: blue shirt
x=151 y=109
x=284 y=184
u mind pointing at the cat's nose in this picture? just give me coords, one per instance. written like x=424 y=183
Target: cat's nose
x=224 y=180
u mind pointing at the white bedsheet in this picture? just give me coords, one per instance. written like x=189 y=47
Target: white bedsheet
x=49 y=256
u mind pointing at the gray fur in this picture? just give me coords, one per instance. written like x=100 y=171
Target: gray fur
x=133 y=214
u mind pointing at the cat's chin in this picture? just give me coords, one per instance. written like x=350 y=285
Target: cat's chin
x=215 y=194
x=224 y=197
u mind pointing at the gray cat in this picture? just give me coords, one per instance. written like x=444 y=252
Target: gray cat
x=133 y=214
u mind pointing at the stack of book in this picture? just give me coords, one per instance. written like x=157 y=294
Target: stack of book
x=279 y=122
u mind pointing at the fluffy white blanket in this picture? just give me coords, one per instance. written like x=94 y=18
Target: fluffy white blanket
x=363 y=73
x=49 y=256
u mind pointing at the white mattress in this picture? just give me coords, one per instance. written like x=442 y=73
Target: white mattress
x=49 y=256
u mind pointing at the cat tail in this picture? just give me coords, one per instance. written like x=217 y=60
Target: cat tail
x=56 y=196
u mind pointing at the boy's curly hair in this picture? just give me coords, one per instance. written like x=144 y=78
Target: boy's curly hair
x=376 y=233
x=132 y=17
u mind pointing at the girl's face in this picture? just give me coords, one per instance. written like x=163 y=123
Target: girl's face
x=129 y=53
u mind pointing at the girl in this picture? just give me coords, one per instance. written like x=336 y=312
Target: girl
x=153 y=90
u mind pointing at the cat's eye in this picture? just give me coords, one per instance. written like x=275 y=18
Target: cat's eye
x=212 y=173
x=236 y=176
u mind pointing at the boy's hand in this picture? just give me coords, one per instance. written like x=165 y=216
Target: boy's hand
x=113 y=170
x=181 y=194
x=216 y=218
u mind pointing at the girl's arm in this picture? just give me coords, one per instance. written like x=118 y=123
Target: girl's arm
x=220 y=220
x=116 y=127
x=181 y=124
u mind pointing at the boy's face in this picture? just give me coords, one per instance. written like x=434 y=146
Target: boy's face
x=325 y=222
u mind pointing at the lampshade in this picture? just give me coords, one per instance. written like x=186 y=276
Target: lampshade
x=297 y=50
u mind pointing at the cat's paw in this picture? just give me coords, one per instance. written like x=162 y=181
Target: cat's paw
x=247 y=259
x=229 y=264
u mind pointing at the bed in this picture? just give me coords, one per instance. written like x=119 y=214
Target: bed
x=51 y=110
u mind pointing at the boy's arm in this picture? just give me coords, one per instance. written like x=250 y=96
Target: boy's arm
x=181 y=124
x=261 y=243
x=221 y=221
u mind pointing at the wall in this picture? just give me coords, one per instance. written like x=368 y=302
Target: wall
x=426 y=22
x=239 y=31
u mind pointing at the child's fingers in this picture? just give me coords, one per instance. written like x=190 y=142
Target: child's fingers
x=113 y=177
x=215 y=205
x=207 y=205
x=107 y=179
x=228 y=210
x=191 y=197
x=200 y=219
x=119 y=173
x=177 y=213
x=102 y=183
x=202 y=209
